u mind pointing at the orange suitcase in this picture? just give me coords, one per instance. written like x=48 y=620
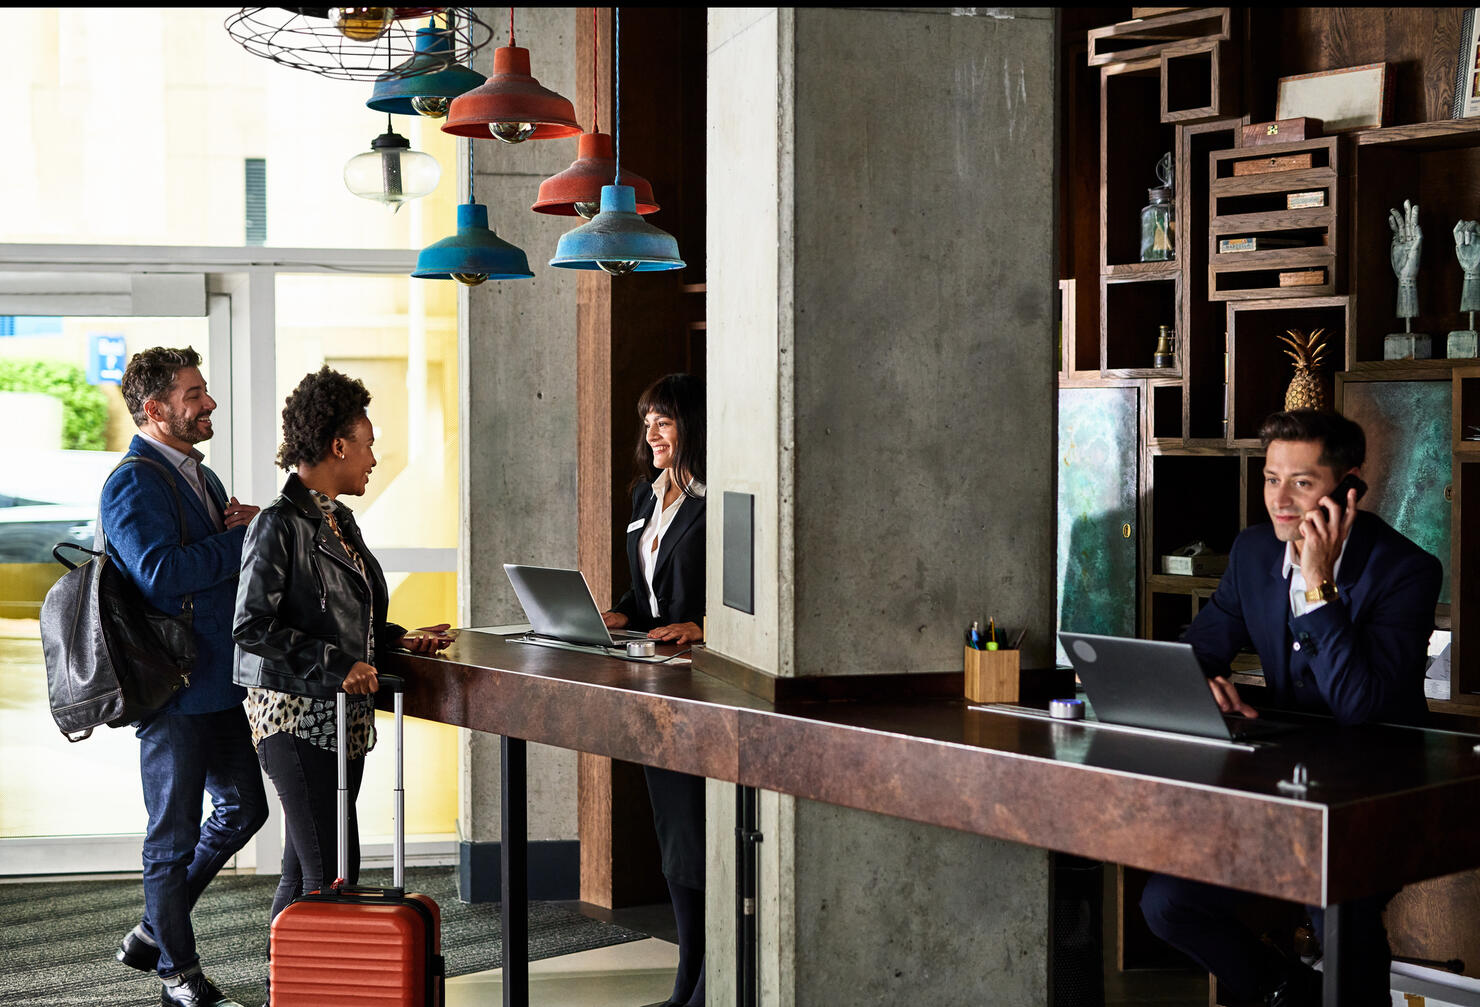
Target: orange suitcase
x=354 y=945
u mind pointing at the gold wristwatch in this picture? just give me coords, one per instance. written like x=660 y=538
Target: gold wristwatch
x=1325 y=592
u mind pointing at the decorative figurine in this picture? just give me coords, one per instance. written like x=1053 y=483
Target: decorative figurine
x=1306 y=390
x=1407 y=243
x=1158 y=217
x=1466 y=342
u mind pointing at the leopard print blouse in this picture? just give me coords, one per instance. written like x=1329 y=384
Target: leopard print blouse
x=311 y=719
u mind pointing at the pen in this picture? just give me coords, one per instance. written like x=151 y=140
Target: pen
x=991 y=634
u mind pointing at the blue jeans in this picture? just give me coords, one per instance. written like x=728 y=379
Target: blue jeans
x=183 y=757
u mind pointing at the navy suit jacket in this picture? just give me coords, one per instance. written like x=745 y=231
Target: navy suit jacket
x=678 y=573
x=1361 y=657
x=143 y=529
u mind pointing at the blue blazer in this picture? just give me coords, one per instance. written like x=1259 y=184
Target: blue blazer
x=140 y=520
x=1359 y=658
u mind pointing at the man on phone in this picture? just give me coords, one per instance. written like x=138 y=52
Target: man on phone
x=1339 y=607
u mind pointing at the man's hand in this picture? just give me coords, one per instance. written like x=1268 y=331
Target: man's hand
x=678 y=632
x=614 y=620
x=361 y=680
x=1228 y=698
x=238 y=514
x=428 y=639
x=1323 y=530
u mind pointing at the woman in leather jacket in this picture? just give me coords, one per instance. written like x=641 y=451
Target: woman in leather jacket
x=311 y=621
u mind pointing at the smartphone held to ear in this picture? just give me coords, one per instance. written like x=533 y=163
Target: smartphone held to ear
x=1350 y=482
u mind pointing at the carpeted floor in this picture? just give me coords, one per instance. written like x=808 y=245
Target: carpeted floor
x=57 y=939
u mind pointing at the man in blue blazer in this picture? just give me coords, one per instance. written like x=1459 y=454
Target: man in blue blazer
x=1339 y=607
x=200 y=743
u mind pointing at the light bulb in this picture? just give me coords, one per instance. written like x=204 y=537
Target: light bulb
x=363 y=24
x=433 y=106
x=470 y=279
x=587 y=210
x=617 y=267
x=512 y=132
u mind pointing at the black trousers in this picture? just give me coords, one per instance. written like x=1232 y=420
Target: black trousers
x=1201 y=921
x=306 y=778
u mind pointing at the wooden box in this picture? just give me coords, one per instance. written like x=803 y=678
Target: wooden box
x=1265 y=165
x=992 y=676
x=1279 y=131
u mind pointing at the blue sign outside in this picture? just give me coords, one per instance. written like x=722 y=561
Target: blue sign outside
x=106 y=353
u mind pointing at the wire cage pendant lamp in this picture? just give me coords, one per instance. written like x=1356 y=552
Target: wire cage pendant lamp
x=406 y=90
x=511 y=105
x=617 y=240
x=576 y=191
x=356 y=43
x=475 y=253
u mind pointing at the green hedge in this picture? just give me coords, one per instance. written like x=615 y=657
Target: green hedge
x=84 y=408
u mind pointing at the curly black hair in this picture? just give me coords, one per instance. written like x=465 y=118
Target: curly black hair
x=325 y=405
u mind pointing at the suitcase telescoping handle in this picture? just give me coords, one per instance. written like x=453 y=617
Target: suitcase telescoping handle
x=396 y=685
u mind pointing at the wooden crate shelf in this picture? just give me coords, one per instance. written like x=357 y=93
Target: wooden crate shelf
x=1196 y=82
x=1143 y=37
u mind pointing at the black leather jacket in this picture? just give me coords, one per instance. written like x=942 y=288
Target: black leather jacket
x=304 y=612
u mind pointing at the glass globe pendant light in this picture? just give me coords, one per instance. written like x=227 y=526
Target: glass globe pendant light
x=390 y=172
x=425 y=84
x=617 y=240
x=474 y=253
x=511 y=105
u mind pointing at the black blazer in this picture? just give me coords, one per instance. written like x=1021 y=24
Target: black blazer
x=678 y=575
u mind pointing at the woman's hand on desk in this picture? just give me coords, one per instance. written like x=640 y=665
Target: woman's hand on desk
x=361 y=680
x=614 y=620
x=428 y=639
x=678 y=632
x=1229 y=701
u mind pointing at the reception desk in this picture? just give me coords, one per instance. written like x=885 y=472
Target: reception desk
x=1385 y=806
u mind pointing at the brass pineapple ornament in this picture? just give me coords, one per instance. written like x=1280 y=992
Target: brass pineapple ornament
x=1306 y=390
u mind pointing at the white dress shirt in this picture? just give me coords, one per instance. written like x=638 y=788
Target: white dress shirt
x=652 y=535
x=189 y=466
x=1298 y=605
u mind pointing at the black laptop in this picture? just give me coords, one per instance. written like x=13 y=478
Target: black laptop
x=1155 y=685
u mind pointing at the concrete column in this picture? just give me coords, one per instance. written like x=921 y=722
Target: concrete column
x=881 y=302
x=518 y=373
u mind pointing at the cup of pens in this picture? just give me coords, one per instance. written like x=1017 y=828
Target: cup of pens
x=992 y=665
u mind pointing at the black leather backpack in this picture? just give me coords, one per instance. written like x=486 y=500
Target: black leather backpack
x=111 y=657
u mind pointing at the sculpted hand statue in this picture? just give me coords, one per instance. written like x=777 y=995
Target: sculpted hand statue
x=1407 y=243
x=1467 y=250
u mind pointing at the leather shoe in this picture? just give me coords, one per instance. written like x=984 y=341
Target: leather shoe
x=1301 y=988
x=195 y=990
x=137 y=953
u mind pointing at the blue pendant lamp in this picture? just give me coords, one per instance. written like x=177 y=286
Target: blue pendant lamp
x=474 y=253
x=617 y=240
x=427 y=82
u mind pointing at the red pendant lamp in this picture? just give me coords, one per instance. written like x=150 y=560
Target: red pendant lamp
x=576 y=191
x=511 y=106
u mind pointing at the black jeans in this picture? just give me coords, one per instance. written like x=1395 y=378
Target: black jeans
x=306 y=778
x=183 y=757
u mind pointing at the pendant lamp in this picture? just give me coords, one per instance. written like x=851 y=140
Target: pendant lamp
x=511 y=105
x=474 y=253
x=617 y=240
x=409 y=90
x=390 y=172
x=576 y=191
x=354 y=43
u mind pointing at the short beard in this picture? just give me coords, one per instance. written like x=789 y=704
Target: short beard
x=183 y=429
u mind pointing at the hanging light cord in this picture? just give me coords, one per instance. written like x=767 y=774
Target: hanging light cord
x=511 y=27
x=617 y=73
x=595 y=65
x=471 y=198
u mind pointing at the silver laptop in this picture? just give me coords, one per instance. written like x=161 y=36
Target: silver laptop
x=1155 y=685
x=559 y=605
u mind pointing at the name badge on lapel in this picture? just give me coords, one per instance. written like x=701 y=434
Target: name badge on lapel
x=636 y=525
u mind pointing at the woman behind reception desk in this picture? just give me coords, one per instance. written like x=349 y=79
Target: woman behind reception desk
x=665 y=551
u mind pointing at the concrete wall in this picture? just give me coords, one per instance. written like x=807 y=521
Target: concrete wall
x=518 y=368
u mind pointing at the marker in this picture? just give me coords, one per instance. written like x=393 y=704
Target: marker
x=991 y=634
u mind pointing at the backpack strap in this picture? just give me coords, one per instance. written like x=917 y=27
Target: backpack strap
x=187 y=603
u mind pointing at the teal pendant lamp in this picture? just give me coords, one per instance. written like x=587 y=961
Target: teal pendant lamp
x=617 y=240
x=475 y=253
x=418 y=86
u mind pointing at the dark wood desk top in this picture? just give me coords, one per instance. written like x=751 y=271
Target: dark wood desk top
x=1388 y=806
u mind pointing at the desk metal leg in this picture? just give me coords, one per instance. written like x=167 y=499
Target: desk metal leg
x=1338 y=984
x=747 y=835
x=514 y=861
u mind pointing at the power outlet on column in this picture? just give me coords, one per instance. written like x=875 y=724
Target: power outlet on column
x=739 y=552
